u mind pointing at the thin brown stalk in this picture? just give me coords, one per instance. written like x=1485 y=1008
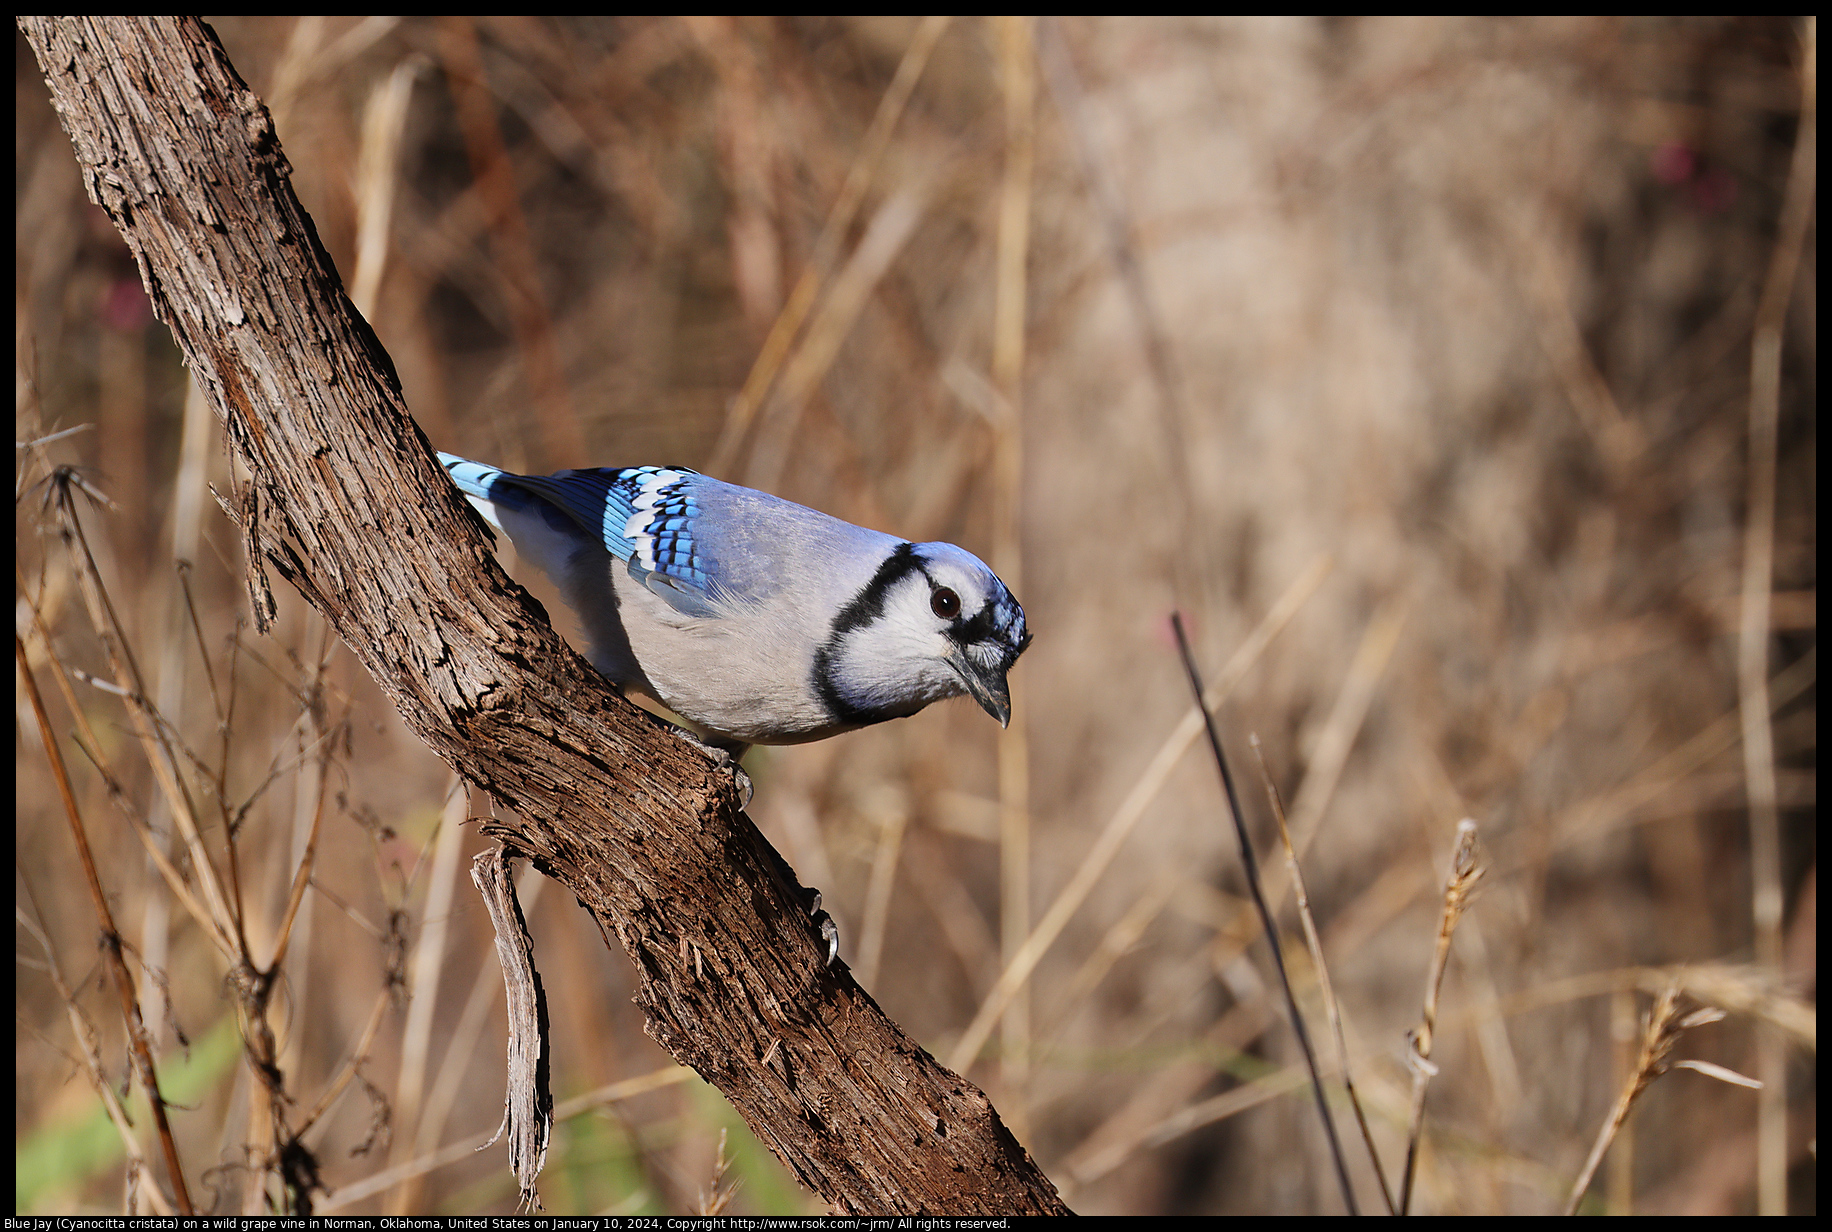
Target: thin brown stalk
x=1312 y=939
x=1018 y=82
x=1753 y=635
x=113 y=946
x=1466 y=870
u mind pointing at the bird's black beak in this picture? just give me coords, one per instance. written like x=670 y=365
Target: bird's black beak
x=986 y=686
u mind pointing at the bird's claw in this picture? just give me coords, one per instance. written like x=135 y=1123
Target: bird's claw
x=741 y=783
x=830 y=932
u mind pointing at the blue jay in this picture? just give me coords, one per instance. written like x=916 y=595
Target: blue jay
x=758 y=620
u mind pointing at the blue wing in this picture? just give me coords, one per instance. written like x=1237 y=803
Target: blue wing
x=644 y=516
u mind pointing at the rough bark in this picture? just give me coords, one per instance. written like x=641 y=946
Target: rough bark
x=348 y=504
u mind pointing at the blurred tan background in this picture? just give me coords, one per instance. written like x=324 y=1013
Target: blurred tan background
x=1436 y=332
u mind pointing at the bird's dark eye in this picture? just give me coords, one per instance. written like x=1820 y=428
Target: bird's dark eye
x=946 y=603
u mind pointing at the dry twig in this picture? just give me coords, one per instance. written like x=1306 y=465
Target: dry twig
x=1465 y=871
x=1328 y=992
x=113 y=948
x=1659 y=1034
x=1266 y=920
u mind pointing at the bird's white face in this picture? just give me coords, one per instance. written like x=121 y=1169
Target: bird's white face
x=942 y=624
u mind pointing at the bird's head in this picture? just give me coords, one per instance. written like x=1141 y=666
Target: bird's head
x=934 y=623
x=976 y=624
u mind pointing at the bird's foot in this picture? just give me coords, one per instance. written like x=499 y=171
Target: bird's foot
x=830 y=932
x=722 y=754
